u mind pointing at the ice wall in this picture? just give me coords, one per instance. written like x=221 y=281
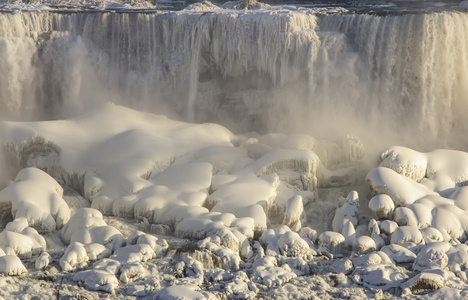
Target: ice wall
x=392 y=77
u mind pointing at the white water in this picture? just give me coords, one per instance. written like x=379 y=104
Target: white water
x=399 y=79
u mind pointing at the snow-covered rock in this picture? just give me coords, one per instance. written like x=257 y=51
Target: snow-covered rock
x=108 y=236
x=347 y=211
x=97 y=280
x=37 y=197
x=331 y=241
x=406 y=234
x=75 y=257
x=23 y=245
x=364 y=245
x=382 y=206
x=11 y=265
x=43 y=261
x=82 y=218
x=291 y=244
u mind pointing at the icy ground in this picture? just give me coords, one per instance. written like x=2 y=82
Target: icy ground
x=120 y=203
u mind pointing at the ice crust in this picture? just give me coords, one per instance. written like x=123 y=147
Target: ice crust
x=248 y=220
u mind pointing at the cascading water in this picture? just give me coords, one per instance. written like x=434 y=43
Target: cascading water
x=271 y=70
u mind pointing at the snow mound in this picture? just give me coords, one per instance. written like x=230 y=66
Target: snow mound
x=37 y=197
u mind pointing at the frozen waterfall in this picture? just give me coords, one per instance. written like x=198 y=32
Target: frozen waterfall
x=266 y=70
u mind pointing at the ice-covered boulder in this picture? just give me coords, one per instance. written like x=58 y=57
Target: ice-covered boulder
x=385 y=276
x=401 y=189
x=432 y=256
x=247 y=196
x=347 y=211
x=97 y=251
x=430 y=279
x=405 y=161
x=97 y=280
x=108 y=236
x=388 y=227
x=307 y=232
x=82 y=218
x=399 y=254
x=75 y=257
x=291 y=244
x=331 y=241
x=272 y=276
x=11 y=265
x=431 y=234
x=293 y=213
x=37 y=197
x=188 y=291
x=364 y=245
x=406 y=234
x=43 y=261
x=23 y=245
x=382 y=206
x=133 y=254
x=17 y=225
x=132 y=272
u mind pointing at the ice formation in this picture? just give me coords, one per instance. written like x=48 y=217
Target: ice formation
x=173 y=209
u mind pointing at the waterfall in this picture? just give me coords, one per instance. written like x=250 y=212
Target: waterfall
x=402 y=77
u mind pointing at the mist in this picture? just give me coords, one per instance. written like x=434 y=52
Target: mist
x=395 y=79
